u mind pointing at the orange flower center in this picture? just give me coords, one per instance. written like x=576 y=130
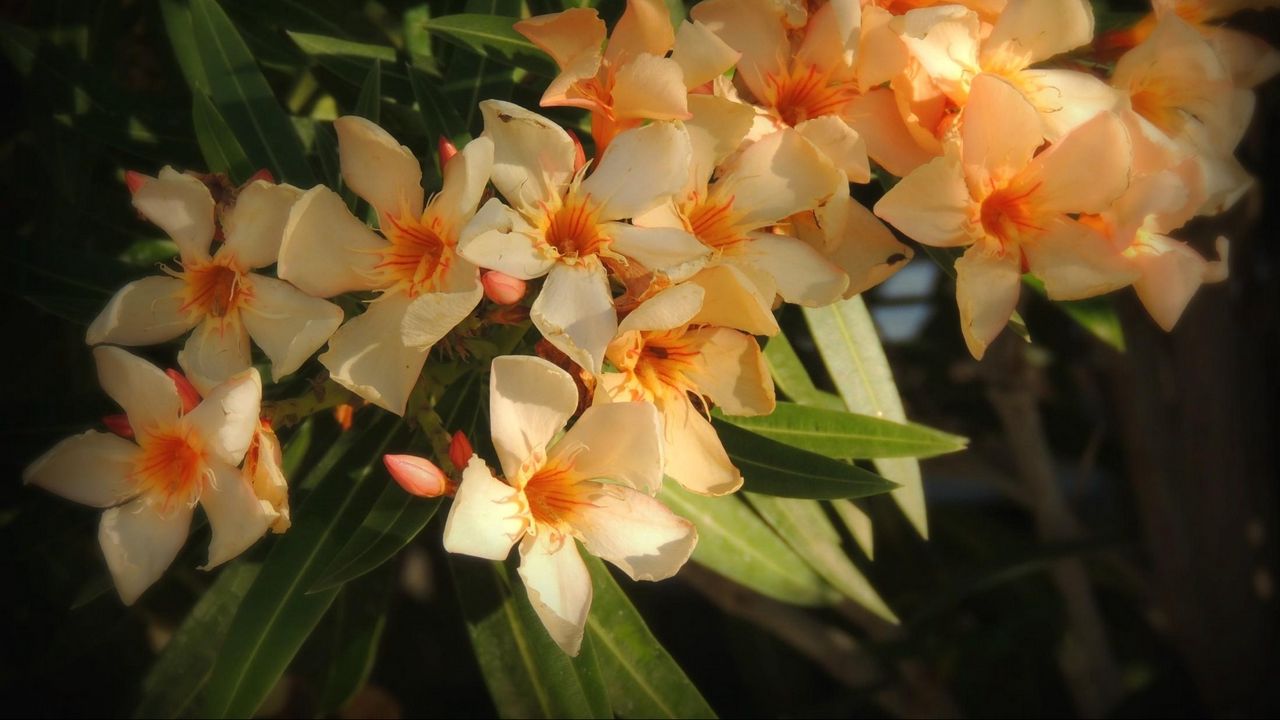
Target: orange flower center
x=171 y=465
x=713 y=222
x=554 y=495
x=1008 y=214
x=573 y=229
x=658 y=364
x=214 y=288
x=418 y=254
x=804 y=92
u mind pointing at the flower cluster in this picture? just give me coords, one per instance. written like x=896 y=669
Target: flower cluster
x=719 y=187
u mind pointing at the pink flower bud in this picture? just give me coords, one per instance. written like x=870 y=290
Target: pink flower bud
x=446 y=149
x=134 y=180
x=418 y=476
x=263 y=174
x=460 y=451
x=119 y=424
x=190 y=396
x=502 y=288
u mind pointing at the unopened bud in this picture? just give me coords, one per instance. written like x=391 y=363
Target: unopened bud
x=579 y=155
x=446 y=149
x=134 y=180
x=502 y=288
x=418 y=476
x=344 y=414
x=190 y=396
x=460 y=451
x=263 y=175
x=119 y=424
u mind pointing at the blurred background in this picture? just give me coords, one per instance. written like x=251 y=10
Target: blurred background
x=1106 y=547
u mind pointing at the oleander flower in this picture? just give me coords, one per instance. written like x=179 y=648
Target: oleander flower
x=219 y=295
x=425 y=287
x=150 y=486
x=592 y=486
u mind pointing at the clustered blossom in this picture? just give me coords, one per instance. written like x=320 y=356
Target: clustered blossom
x=719 y=188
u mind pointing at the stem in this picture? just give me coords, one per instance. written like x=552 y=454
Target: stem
x=320 y=397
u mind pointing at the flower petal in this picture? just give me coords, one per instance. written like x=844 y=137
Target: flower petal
x=236 y=515
x=378 y=168
x=566 y=36
x=932 y=205
x=144 y=312
x=465 y=178
x=716 y=129
x=218 y=349
x=879 y=123
x=1077 y=262
x=944 y=40
x=635 y=532
x=701 y=55
x=559 y=586
x=987 y=289
x=1084 y=172
x=755 y=29
x=367 y=355
x=228 y=417
x=779 y=175
x=431 y=316
x=181 y=206
x=1171 y=274
x=840 y=144
x=140 y=541
x=695 y=457
x=532 y=156
x=498 y=238
x=487 y=516
x=1039 y=30
x=620 y=442
x=671 y=251
x=254 y=227
x=858 y=243
x=650 y=87
x=575 y=312
x=1066 y=99
x=91 y=468
x=737 y=297
x=672 y=308
x=802 y=274
x=286 y=323
x=141 y=389
x=732 y=372
x=645 y=27
x=641 y=169
x=326 y=251
x=530 y=400
x=999 y=132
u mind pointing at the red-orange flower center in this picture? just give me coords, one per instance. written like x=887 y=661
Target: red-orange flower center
x=554 y=495
x=658 y=363
x=573 y=229
x=1007 y=214
x=713 y=222
x=803 y=92
x=418 y=254
x=214 y=289
x=171 y=465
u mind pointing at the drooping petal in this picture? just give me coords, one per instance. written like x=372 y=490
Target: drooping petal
x=802 y=274
x=635 y=532
x=286 y=323
x=716 y=130
x=641 y=169
x=559 y=586
x=144 y=312
x=575 y=312
x=671 y=251
x=672 y=308
x=840 y=143
x=465 y=178
x=1171 y=275
x=620 y=442
x=264 y=469
x=254 y=227
x=91 y=468
x=737 y=297
x=1085 y=172
x=999 y=132
x=181 y=206
x=228 y=416
x=532 y=156
x=378 y=168
x=530 y=400
x=141 y=389
x=755 y=29
x=566 y=36
x=1041 y=29
x=644 y=28
x=732 y=372
x=500 y=239
x=326 y=251
x=367 y=355
x=236 y=515
x=701 y=55
x=431 y=316
x=858 y=243
x=1250 y=59
x=487 y=517
x=650 y=87
x=695 y=457
x=218 y=349
x=987 y=288
x=932 y=205
x=1076 y=262
x=140 y=541
x=777 y=176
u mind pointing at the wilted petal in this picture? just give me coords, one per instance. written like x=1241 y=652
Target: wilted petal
x=500 y=239
x=532 y=156
x=732 y=372
x=144 y=312
x=236 y=515
x=141 y=389
x=575 y=312
x=228 y=416
x=559 y=586
x=641 y=169
x=254 y=227
x=326 y=251
x=695 y=457
x=181 y=206
x=1077 y=262
x=802 y=274
x=218 y=349
x=487 y=516
x=378 y=168
x=287 y=324
x=530 y=400
x=367 y=355
x=620 y=442
x=987 y=292
x=701 y=55
x=635 y=532
x=140 y=541
x=91 y=468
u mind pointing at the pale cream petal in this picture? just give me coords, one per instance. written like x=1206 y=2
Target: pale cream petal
x=465 y=178
x=575 y=312
x=803 y=276
x=716 y=130
x=487 y=516
x=559 y=586
x=286 y=323
x=641 y=169
x=91 y=468
x=755 y=29
x=498 y=238
x=181 y=206
x=645 y=27
x=858 y=243
x=264 y=469
x=701 y=55
x=148 y=396
x=227 y=418
x=1085 y=172
x=945 y=41
x=144 y=312
x=218 y=349
x=532 y=156
x=876 y=117
x=732 y=372
x=1041 y=29
x=1066 y=99
x=254 y=227
x=695 y=457
x=618 y=442
x=431 y=316
x=1171 y=273
x=650 y=87
x=236 y=516
x=566 y=36
x=634 y=531
x=140 y=541
x=987 y=289
x=530 y=400
x=881 y=53
x=1250 y=59
x=999 y=132
x=737 y=297
x=825 y=42
x=672 y=308
x=932 y=205
x=671 y=251
x=326 y=251
x=779 y=175
x=1077 y=262
x=841 y=144
x=378 y=168
x=367 y=355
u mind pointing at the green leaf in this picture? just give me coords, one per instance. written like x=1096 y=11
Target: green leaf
x=173 y=686
x=222 y=152
x=772 y=468
x=735 y=542
x=791 y=377
x=355 y=623
x=347 y=59
x=806 y=528
x=527 y=674
x=476 y=76
x=1096 y=315
x=492 y=37
x=369 y=104
x=850 y=347
x=277 y=613
x=177 y=23
x=244 y=98
x=644 y=681
x=839 y=434
x=438 y=114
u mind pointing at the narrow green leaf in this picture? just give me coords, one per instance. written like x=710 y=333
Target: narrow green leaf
x=355 y=623
x=850 y=347
x=945 y=259
x=244 y=98
x=735 y=542
x=806 y=528
x=1096 y=315
x=369 y=104
x=177 y=23
x=438 y=114
x=846 y=435
x=791 y=377
x=527 y=674
x=492 y=37
x=222 y=152
x=858 y=523
x=481 y=78
x=644 y=681
x=773 y=468
x=347 y=59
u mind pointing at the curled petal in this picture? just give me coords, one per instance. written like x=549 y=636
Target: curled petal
x=559 y=586
x=236 y=515
x=326 y=251
x=575 y=313
x=141 y=389
x=530 y=400
x=378 y=168
x=987 y=288
x=181 y=206
x=144 y=312
x=487 y=517
x=218 y=349
x=532 y=156
x=91 y=468
x=228 y=417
